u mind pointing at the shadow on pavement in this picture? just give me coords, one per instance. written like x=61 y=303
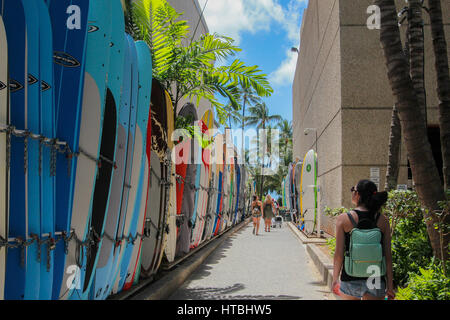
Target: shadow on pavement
x=226 y=294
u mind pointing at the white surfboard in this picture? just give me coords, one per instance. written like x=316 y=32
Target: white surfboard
x=308 y=191
x=3 y=173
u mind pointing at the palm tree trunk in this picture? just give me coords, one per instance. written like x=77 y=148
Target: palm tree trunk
x=416 y=53
x=443 y=83
x=395 y=136
x=242 y=134
x=243 y=145
x=425 y=173
x=262 y=157
x=394 y=152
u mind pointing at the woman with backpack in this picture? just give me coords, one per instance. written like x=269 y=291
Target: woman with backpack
x=363 y=257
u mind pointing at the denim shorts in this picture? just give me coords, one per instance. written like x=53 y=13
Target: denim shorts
x=357 y=288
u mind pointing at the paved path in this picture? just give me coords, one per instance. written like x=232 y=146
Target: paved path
x=272 y=265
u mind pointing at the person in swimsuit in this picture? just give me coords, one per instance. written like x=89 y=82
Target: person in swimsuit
x=268 y=213
x=256 y=213
x=368 y=202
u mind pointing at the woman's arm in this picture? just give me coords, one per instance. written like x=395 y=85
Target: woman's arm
x=338 y=260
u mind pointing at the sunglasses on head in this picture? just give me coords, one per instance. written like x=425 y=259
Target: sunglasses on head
x=353 y=189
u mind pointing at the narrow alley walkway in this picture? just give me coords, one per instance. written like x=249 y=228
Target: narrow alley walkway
x=271 y=265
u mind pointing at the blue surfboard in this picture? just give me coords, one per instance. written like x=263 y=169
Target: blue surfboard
x=116 y=82
x=14 y=21
x=69 y=24
x=126 y=212
x=139 y=159
x=47 y=125
x=109 y=184
x=32 y=189
x=238 y=183
x=219 y=199
x=110 y=249
x=198 y=159
x=107 y=153
x=89 y=148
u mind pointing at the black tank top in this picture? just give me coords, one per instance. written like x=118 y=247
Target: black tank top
x=362 y=215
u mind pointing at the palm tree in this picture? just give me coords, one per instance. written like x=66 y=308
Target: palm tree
x=188 y=71
x=274 y=182
x=395 y=139
x=261 y=118
x=425 y=172
x=232 y=114
x=443 y=83
x=416 y=52
x=249 y=97
x=395 y=136
x=285 y=142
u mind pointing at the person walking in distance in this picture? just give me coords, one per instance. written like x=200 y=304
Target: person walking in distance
x=268 y=213
x=256 y=214
x=363 y=256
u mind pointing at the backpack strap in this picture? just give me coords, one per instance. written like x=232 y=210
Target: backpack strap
x=355 y=225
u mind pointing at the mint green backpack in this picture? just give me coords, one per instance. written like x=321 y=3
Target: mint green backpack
x=365 y=255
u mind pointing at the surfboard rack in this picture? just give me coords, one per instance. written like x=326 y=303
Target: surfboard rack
x=46 y=239
x=55 y=145
x=93 y=238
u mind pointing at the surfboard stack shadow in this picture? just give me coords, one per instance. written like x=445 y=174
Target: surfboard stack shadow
x=91 y=201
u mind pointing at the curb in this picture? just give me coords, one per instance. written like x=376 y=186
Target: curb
x=304 y=239
x=323 y=263
x=168 y=284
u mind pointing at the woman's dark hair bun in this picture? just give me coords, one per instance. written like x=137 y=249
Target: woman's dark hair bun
x=377 y=201
x=369 y=196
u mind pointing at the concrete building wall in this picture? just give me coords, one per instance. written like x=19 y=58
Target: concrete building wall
x=192 y=12
x=317 y=98
x=341 y=88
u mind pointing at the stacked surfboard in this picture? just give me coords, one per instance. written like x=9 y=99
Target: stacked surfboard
x=97 y=191
x=308 y=190
x=300 y=191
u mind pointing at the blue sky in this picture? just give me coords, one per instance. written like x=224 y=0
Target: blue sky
x=265 y=30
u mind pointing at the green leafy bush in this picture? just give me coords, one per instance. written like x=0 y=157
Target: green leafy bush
x=428 y=284
x=416 y=273
x=331 y=243
x=411 y=248
x=334 y=212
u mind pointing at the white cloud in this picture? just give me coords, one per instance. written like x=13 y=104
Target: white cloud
x=284 y=75
x=234 y=17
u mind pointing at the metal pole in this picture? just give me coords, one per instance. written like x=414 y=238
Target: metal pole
x=318 y=212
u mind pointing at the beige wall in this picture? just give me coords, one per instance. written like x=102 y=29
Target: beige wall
x=317 y=98
x=192 y=12
x=341 y=88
